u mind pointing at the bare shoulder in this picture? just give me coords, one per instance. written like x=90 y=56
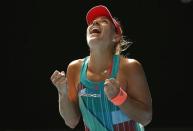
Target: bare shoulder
x=75 y=63
x=73 y=69
x=129 y=65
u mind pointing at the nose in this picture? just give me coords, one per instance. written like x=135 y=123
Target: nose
x=95 y=22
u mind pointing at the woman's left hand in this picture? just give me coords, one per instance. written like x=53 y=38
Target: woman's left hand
x=111 y=88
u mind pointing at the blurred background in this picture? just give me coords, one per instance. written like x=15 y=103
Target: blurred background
x=40 y=36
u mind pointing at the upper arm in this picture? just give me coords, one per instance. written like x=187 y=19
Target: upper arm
x=73 y=73
x=138 y=88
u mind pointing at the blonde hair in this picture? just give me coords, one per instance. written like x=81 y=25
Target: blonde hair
x=123 y=44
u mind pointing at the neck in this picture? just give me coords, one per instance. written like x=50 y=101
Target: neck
x=100 y=62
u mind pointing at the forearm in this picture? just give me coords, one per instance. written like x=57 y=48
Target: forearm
x=69 y=111
x=137 y=111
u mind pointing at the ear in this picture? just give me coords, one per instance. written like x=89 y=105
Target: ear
x=116 y=38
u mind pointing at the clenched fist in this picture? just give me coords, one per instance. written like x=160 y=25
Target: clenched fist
x=111 y=88
x=59 y=81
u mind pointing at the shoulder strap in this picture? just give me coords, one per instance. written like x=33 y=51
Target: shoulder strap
x=116 y=61
x=83 y=69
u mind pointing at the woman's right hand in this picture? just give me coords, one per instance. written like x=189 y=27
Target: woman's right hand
x=59 y=81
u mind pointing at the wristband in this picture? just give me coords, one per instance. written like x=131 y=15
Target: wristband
x=120 y=98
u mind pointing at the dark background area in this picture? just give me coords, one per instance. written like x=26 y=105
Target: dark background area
x=42 y=36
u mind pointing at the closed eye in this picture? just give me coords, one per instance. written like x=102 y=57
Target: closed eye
x=105 y=21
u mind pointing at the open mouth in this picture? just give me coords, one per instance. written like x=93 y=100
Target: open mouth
x=95 y=30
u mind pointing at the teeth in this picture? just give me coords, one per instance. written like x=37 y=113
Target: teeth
x=95 y=30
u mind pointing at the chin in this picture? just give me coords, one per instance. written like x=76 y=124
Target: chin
x=93 y=40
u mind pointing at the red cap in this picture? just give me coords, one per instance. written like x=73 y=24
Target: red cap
x=101 y=10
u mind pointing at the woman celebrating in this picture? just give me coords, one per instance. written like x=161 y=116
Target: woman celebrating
x=109 y=91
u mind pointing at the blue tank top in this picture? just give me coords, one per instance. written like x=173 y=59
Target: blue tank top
x=95 y=100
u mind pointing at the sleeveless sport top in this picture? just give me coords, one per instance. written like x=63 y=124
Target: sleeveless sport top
x=100 y=114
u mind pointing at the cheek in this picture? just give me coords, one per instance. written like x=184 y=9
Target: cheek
x=87 y=32
x=87 y=35
x=87 y=38
x=109 y=32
